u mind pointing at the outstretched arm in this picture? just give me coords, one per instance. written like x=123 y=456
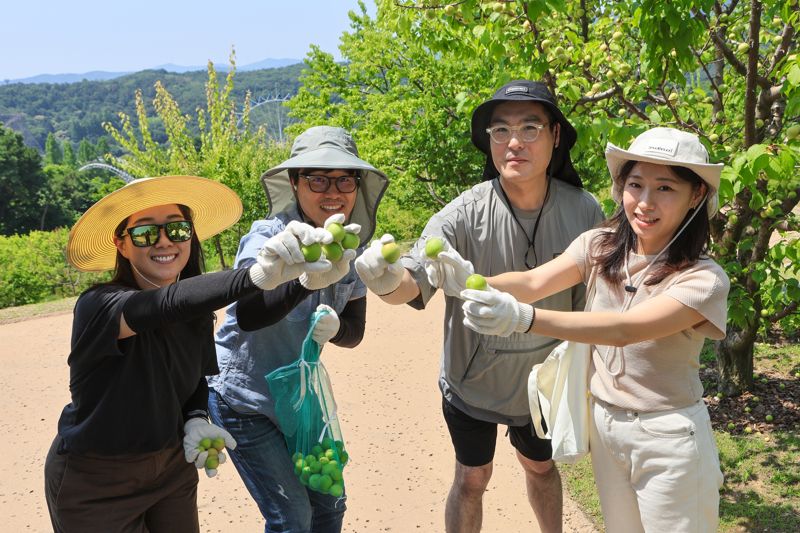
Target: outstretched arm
x=498 y=313
x=548 y=279
x=658 y=317
x=405 y=292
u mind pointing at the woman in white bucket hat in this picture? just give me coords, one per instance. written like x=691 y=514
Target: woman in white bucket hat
x=657 y=296
x=126 y=450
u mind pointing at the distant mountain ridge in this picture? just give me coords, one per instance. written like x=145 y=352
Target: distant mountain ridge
x=76 y=111
x=102 y=75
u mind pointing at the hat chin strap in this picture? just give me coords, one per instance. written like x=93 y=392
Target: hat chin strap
x=617 y=353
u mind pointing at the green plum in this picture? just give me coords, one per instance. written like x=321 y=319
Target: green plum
x=433 y=247
x=390 y=252
x=312 y=252
x=337 y=230
x=350 y=241
x=477 y=282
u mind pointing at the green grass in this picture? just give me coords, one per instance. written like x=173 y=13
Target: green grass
x=784 y=359
x=578 y=480
x=762 y=482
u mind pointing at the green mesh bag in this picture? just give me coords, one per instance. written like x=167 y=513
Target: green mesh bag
x=306 y=412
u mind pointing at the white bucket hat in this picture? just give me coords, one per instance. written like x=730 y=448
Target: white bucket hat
x=671 y=147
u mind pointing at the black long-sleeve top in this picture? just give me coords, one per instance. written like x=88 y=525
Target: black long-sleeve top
x=265 y=308
x=133 y=395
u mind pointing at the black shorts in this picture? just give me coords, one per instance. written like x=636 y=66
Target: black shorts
x=474 y=440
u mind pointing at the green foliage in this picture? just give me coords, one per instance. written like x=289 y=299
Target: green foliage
x=67 y=193
x=225 y=149
x=20 y=178
x=35 y=269
x=86 y=152
x=52 y=151
x=402 y=223
x=77 y=111
x=69 y=155
x=727 y=72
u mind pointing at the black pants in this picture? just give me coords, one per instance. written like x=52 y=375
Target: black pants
x=139 y=493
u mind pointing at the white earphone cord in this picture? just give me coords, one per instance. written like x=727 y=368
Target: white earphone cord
x=612 y=351
x=148 y=280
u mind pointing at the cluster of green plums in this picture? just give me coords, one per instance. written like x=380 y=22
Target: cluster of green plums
x=342 y=240
x=213 y=447
x=321 y=468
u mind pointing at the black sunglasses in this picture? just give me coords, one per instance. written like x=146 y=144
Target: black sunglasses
x=318 y=183
x=148 y=234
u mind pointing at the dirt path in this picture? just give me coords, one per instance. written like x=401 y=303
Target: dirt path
x=389 y=408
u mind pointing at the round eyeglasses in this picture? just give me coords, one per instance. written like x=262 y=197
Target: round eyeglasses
x=318 y=183
x=527 y=132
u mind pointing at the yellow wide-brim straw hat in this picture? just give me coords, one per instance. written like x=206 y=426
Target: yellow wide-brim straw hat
x=215 y=207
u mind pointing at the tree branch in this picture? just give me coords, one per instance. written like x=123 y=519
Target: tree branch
x=756 y=9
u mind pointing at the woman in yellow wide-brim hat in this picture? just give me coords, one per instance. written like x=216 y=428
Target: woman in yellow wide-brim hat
x=128 y=442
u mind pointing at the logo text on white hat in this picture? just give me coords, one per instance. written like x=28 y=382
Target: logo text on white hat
x=664 y=147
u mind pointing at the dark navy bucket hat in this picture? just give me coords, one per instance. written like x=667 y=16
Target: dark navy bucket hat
x=533 y=91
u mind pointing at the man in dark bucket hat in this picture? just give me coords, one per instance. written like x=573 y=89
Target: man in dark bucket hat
x=323 y=181
x=527 y=91
x=528 y=209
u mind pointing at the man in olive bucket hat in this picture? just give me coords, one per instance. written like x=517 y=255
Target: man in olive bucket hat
x=528 y=209
x=323 y=181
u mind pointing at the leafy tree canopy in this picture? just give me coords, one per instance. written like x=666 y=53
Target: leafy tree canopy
x=226 y=148
x=728 y=72
x=21 y=177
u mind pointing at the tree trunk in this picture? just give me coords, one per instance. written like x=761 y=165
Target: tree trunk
x=735 y=358
x=44 y=216
x=218 y=246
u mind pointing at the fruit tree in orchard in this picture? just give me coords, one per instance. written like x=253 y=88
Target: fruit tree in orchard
x=728 y=72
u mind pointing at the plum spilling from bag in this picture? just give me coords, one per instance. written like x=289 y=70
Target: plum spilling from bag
x=321 y=469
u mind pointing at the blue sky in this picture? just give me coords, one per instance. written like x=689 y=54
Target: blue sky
x=56 y=37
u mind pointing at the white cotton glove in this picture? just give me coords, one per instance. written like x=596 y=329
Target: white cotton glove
x=315 y=280
x=197 y=429
x=378 y=274
x=327 y=326
x=281 y=259
x=449 y=271
x=492 y=312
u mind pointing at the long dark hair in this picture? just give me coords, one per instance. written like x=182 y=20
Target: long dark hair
x=123 y=273
x=615 y=244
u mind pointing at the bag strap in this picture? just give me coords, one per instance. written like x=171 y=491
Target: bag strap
x=535 y=406
x=310 y=350
x=591 y=288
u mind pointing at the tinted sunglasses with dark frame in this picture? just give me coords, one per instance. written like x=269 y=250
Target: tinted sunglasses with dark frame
x=320 y=183
x=148 y=234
